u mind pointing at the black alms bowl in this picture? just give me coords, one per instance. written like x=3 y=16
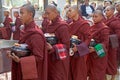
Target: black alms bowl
x=74 y=41
x=52 y=40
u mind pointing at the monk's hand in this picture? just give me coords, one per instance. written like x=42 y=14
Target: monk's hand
x=16 y=44
x=13 y=56
x=49 y=46
x=74 y=48
x=9 y=54
x=91 y=49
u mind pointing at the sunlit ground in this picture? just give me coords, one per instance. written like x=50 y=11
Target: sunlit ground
x=7 y=76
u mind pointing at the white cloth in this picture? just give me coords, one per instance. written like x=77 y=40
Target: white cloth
x=88 y=10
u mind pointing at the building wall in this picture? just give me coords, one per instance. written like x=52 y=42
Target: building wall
x=1 y=12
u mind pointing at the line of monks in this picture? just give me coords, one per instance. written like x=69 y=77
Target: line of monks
x=7 y=30
x=52 y=62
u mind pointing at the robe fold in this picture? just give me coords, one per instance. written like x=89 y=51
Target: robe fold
x=58 y=69
x=36 y=42
x=7 y=25
x=3 y=34
x=117 y=15
x=16 y=34
x=97 y=65
x=113 y=24
x=78 y=65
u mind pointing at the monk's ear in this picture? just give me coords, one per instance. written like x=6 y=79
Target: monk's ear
x=31 y=14
x=56 y=12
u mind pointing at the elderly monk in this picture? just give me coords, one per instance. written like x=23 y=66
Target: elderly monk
x=113 y=23
x=118 y=9
x=58 y=69
x=18 y=23
x=78 y=27
x=7 y=23
x=99 y=32
x=36 y=63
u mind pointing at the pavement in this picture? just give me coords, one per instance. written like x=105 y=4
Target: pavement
x=7 y=76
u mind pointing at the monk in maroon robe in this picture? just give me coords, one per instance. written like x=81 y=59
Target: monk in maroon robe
x=57 y=69
x=7 y=23
x=118 y=16
x=113 y=23
x=79 y=28
x=100 y=33
x=36 y=42
x=118 y=9
x=18 y=23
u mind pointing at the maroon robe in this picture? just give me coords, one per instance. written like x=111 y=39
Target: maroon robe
x=58 y=69
x=36 y=42
x=3 y=34
x=113 y=24
x=96 y=65
x=7 y=25
x=16 y=34
x=117 y=15
x=118 y=51
x=78 y=64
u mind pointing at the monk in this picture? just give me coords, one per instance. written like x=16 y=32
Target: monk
x=118 y=16
x=118 y=9
x=113 y=23
x=18 y=23
x=36 y=42
x=7 y=23
x=58 y=69
x=99 y=32
x=78 y=27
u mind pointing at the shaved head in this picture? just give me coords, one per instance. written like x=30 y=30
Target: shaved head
x=52 y=8
x=51 y=12
x=97 y=16
x=99 y=12
x=75 y=7
x=29 y=8
x=109 y=11
x=73 y=12
x=118 y=7
x=110 y=8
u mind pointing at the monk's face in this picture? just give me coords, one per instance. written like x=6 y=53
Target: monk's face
x=25 y=15
x=97 y=18
x=109 y=12
x=6 y=13
x=16 y=14
x=71 y=13
x=118 y=7
x=51 y=14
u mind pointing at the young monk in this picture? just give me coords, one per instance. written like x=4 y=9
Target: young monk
x=118 y=16
x=78 y=27
x=7 y=23
x=100 y=33
x=113 y=23
x=118 y=9
x=33 y=67
x=18 y=23
x=58 y=69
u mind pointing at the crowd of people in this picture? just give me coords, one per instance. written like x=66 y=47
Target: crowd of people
x=54 y=56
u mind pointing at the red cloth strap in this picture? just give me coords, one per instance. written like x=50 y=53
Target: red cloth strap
x=61 y=52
